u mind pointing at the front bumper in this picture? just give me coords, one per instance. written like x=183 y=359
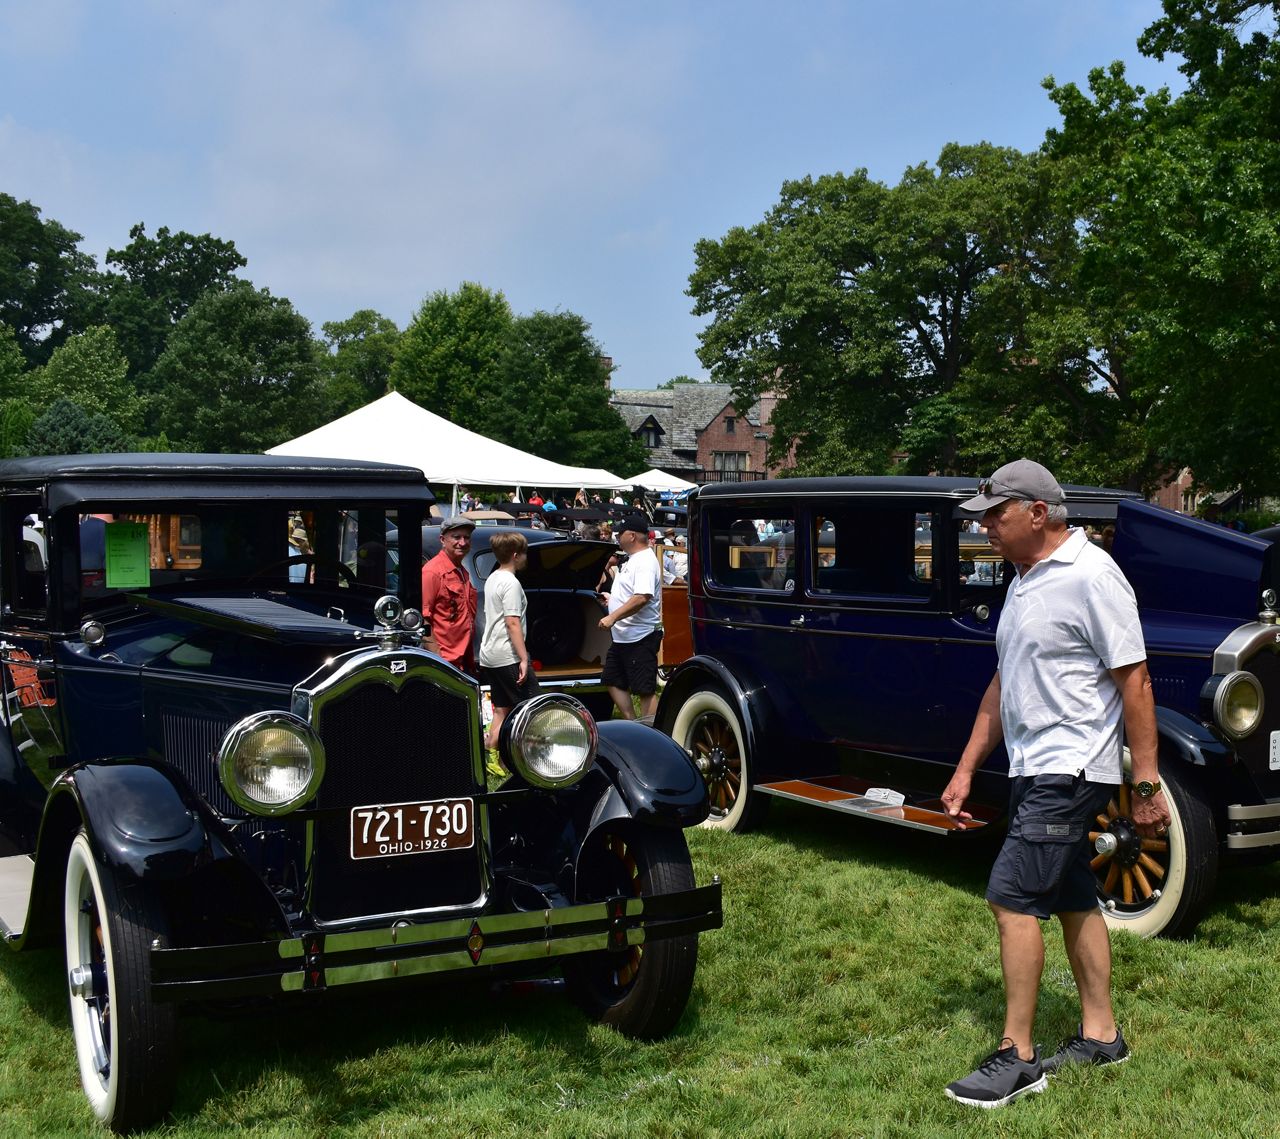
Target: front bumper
x=318 y=961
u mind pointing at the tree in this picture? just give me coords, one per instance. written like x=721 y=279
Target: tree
x=90 y=371
x=67 y=429
x=46 y=283
x=1178 y=205
x=449 y=355
x=12 y=364
x=362 y=350
x=16 y=419
x=893 y=318
x=241 y=373
x=159 y=279
x=670 y=384
x=552 y=396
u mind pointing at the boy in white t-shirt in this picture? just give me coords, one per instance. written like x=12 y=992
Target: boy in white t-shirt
x=504 y=657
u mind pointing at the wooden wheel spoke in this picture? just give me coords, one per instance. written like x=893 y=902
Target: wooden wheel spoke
x=1155 y=845
x=1144 y=886
x=1113 y=873
x=1103 y=821
x=1099 y=861
x=1145 y=860
x=1113 y=812
x=1126 y=887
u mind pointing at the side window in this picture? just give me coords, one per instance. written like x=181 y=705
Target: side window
x=752 y=549
x=28 y=583
x=869 y=551
x=981 y=568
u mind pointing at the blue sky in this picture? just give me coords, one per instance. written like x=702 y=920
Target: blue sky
x=570 y=154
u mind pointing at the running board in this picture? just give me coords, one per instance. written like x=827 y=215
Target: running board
x=849 y=794
x=15 y=892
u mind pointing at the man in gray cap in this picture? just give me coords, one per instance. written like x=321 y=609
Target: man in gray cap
x=1071 y=685
x=449 y=600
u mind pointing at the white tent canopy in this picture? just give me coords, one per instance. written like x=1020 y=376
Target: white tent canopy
x=396 y=430
x=660 y=480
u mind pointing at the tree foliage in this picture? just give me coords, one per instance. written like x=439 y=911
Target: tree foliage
x=241 y=373
x=897 y=323
x=449 y=355
x=67 y=429
x=362 y=350
x=90 y=371
x=1107 y=305
x=1178 y=204
x=157 y=281
x=46 y=283
x=553 y=396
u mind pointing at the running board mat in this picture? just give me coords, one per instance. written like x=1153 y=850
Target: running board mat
x=15 y=891
x=846 y=793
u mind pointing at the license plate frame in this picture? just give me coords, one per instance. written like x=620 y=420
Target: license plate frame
x=395 y=830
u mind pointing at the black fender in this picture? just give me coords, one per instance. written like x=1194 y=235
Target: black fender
x=745 y=693
x=1191 y=741
x=650 y=773
x=142 y=822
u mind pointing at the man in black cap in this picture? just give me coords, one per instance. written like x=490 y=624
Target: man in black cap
x=1071 y=685
x=635 y=621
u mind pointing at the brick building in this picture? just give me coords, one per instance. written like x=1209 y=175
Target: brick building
x=695 y=432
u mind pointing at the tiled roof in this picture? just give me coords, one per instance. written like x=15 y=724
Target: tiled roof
x=681 y=412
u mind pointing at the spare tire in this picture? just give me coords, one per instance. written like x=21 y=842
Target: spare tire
x=556 y=629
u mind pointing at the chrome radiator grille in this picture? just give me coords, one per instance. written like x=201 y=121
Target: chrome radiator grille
x=385 y=744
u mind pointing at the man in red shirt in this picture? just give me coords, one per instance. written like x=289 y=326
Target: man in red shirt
x=449 y=598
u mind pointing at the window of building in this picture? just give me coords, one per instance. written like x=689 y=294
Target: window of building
x=730 y=424
x=729 y=461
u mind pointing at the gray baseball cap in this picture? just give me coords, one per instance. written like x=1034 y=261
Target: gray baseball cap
x=1022 y=479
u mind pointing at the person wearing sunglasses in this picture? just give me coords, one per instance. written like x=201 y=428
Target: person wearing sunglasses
x=1071 y=688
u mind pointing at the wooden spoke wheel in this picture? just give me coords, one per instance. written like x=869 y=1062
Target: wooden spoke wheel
x=1155 y=886
x=708 y=728
x=641 y=990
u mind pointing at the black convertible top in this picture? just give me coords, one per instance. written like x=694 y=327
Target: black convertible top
x=72 y=479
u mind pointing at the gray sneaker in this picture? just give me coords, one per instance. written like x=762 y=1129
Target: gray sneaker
x=1079 y=1049
x=999 y=1079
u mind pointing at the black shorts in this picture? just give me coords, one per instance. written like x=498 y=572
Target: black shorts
x=1043 y=866
x=633 y=666
x=505 y=690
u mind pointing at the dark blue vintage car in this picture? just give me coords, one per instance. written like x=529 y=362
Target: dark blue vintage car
x=844 y=633
x=228 y=772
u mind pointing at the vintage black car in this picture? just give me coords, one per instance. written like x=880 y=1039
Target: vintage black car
x=844 y=633
x=228 y=771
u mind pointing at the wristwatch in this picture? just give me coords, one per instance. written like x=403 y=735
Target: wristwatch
x=1145 y=788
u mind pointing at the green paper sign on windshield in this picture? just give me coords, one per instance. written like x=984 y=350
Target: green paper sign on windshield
x=128 y=556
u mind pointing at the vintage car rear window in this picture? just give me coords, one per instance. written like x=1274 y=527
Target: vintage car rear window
x=875 y=551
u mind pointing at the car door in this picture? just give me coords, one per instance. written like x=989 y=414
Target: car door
x=870 y=621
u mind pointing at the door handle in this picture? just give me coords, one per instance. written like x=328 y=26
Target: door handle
x=798 y=622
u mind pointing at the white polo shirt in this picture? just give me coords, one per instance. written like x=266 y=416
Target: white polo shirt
x=1065 y=622
x=639 y=574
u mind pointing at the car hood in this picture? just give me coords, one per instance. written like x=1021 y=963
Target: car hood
x=254 y=616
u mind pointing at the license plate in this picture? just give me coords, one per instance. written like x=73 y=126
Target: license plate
x=1275 y=751
x=393 y=829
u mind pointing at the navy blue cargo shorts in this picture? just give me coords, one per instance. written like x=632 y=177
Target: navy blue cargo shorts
x=1043 y=866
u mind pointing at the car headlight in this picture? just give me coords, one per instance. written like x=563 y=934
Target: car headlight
x=1237 y=703
x=550 y=740
x=271 y=762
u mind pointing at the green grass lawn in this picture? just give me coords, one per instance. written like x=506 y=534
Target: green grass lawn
x=855 y=976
